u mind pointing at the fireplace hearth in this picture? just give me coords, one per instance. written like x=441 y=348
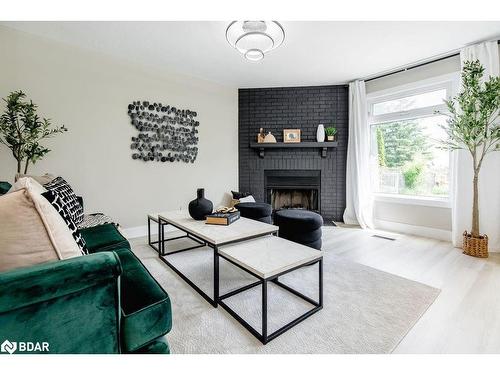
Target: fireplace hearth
x=294 y=198
x=293 y=189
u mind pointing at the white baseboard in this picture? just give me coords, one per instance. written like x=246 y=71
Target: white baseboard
x=391 y=226
x=142 y=231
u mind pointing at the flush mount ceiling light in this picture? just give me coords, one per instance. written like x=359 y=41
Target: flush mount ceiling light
x=255 y=38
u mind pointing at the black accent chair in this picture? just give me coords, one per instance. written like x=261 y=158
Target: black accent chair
x=300 y=226
x=256 y=211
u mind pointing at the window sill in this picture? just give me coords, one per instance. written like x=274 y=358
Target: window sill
x=413 y=200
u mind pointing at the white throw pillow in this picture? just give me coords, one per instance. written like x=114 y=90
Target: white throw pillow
x=248 y=199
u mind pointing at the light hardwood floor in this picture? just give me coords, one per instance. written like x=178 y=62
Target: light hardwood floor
x=465 y=318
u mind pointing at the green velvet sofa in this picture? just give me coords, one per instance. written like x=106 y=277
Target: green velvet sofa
x=105 y=302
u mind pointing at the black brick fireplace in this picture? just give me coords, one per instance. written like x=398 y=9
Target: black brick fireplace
x=297 y=176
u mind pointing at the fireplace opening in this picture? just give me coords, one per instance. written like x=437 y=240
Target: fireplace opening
x=294 y=198
x=293 y=189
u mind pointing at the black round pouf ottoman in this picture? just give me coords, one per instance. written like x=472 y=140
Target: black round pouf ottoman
x=300 y=226
x=255 y=211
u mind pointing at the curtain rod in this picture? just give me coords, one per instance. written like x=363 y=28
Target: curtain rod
x=418 y=65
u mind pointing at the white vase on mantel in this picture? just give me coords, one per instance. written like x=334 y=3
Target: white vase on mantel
x=320 y=133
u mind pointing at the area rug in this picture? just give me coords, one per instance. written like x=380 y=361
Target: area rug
x=365 y=310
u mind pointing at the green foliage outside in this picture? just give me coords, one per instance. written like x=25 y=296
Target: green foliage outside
x=381 y=148
x=400 y=142
x=412 y=174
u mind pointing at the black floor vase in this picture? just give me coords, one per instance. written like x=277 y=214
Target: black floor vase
x=200 y=207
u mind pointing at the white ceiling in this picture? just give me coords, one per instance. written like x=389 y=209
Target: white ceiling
x=314 y=53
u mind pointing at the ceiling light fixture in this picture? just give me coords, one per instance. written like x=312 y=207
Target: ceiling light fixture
x=255 y=38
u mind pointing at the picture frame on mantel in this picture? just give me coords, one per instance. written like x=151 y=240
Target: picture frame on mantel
x=291 y=135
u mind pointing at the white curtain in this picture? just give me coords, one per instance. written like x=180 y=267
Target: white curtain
x=359 y=200
x=489 y=177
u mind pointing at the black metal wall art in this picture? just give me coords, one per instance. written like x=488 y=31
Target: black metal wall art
x=166 y=134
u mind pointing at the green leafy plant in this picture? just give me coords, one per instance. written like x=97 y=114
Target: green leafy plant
x=403 y=141
x=473 y=123
x=22 y=130
x=330 y=131
x=412 y=174
x=381 y=148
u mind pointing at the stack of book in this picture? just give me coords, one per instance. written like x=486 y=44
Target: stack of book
x=222 y=218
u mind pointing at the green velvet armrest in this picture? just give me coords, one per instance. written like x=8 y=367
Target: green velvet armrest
x=73 y=304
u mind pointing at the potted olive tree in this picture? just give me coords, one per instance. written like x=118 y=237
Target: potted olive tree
x=473 y=124
x=22 y=130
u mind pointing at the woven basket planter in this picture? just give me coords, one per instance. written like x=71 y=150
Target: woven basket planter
x=475 y=246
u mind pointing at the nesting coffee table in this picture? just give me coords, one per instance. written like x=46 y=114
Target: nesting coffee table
x=249 y=245
x=268 y=258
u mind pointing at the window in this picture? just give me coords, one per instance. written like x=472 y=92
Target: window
x=406 y=160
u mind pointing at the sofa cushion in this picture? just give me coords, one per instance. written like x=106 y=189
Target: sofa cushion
x=239 y=194
x=57 y=225
x=60 y=187
x=32 y=231
x=103 y=238
x=93 y=220
x=24 y=240
x=59 y=206
x=146 y=309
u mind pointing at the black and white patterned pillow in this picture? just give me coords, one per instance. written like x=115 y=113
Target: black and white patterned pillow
x=56 y=202
x=71 y=204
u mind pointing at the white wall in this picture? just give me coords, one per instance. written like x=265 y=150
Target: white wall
x=89 y=93
x=405 y=217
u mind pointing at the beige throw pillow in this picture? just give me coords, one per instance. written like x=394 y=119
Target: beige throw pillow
x=31 y=230
x=23 y=238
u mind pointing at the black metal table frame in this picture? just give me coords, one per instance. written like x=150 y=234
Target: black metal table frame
x=150 y=242
x=264 y=336
x=200 y=243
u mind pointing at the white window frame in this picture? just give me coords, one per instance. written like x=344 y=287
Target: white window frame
x=450 y=82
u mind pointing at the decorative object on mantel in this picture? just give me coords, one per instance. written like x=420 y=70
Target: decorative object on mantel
x=269 y=138
x=22 y=130
x=473 y=125
x=331 y=133
x=255 y=38
x=200 y=207
x=261 y=136
x=166 y=134
x=320 y=133
x=291 y=135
